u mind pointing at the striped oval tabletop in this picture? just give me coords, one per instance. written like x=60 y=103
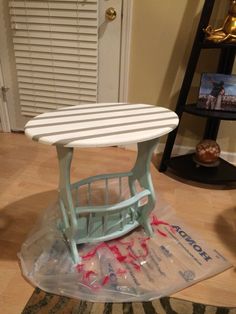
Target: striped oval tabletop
x=102 y=124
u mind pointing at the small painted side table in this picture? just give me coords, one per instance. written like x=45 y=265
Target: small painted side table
x=100 y=125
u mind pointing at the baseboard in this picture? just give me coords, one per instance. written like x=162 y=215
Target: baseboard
x=18 y=131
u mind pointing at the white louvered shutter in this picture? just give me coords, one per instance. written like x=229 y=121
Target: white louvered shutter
x=56 y=52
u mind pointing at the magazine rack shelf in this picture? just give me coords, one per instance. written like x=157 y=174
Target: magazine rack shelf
x=184 y=166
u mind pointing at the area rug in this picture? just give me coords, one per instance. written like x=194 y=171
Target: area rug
x=46 y=303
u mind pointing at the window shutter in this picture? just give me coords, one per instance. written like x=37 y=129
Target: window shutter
x=56 y=53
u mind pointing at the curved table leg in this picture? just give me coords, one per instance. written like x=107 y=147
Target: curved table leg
x=141 y=173
x=69 y=227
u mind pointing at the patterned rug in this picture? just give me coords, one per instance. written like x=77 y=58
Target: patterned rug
x=47 y=303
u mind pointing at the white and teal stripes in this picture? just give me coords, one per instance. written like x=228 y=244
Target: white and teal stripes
x=103 y=124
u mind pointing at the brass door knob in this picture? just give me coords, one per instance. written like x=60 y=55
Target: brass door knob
x=111 y=14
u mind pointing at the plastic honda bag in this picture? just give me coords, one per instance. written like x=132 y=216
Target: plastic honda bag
x=132 y=268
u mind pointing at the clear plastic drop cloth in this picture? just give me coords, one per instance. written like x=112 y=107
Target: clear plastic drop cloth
x=132 y=268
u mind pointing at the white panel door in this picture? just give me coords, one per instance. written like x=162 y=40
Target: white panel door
x=109 y=41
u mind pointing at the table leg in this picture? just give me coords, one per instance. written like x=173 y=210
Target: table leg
x=69 y=227
x=141 y=173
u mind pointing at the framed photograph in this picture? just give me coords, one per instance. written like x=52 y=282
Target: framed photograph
x=217 y=92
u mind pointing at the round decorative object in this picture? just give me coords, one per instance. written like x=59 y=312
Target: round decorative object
x=207 y=153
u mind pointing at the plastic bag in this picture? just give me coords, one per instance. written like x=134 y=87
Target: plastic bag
x=132 y=268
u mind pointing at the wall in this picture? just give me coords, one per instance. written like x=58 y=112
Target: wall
x=162 y=37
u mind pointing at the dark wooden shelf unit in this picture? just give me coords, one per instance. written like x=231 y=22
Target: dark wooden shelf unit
x=222 y=115
x=184 y=166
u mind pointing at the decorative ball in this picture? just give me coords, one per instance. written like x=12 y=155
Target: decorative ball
x=207 y=151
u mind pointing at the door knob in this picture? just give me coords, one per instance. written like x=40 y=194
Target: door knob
x=111 y=14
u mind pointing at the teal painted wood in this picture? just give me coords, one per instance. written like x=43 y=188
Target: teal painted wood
x=65 y=155
x=108 y=209
x=100 y=177
x=142 y=175
x=101 y=125
x=89 y=224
